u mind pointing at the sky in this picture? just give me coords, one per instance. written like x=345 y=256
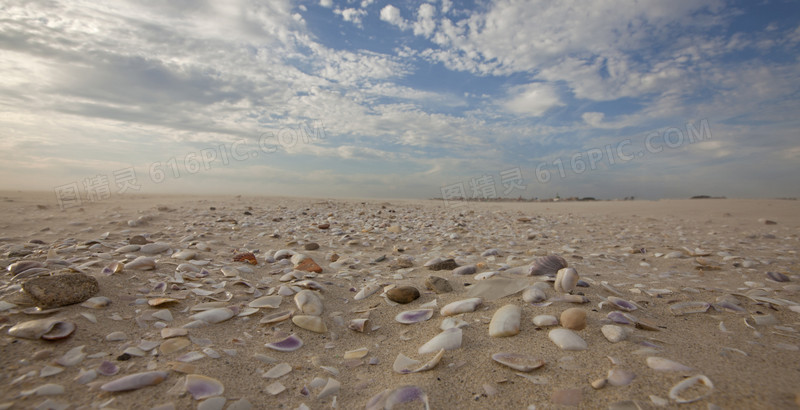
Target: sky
x=401 y=99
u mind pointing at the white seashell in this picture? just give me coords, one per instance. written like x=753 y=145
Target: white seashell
x=545 y=320
x=567 y=339
x=449 y=339
x=331 y=388
x=49 y=389
x=266 y=301
x=309 y=322
x=135 y=381
x=614 y=333
x=273 y=389
x=72 y=357
x=405 y=365
x=216 y=315
x=520 y=362
x=202 y=387
x=461 y=306
x=48 y=329
x=308 y=302
x=141 y=263
x=666 y=365
x=359 y=324
x=566 y=280
x=505 y=321
x=533 y=294
x=279 y=370
x=387 y=399
x=163 y=314
x=621 y=304
x=485 y=275
x=685 y=308
x=116 y=336
x=356 y=354
x=451 y=322
x=367 y=291
x=276 y=317
x=687 y=383
x=547 y=265
x=414 y=316
x=620 y=377
x=185 y=254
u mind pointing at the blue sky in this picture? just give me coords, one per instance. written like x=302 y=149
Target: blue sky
x=414 y=99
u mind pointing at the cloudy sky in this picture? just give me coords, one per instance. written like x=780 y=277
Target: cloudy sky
x=369 y=98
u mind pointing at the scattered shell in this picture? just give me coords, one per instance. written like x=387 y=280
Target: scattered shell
x=72 y=357
x=777 y=277
x=449 y=339
x=685 y=308
x=47 y=329
x=666 y=365
x=96 y=302
x=517 y=361
x=275 y=317
x=332 y=387
x=614 y=333
x=566 y=280
x=216 y=315
x=161 y=301
x=360 y=324
x=135 y=381
x=202 y=387
x=461 y=306
x=620 y=377
x=308 y=302
x=356 y=354
x=289 y=344
x=687 y=383
x=266 y=301
x=405 y=365
x=309 y=322
x=275 y=388
x=413 y=316
x=506 y=321
x=141 y=263
x=367 y=291
x=621 y=304
x=532 y=294
x=278 y=370
x=547 y=266
x=387 y=399
x=567 y=339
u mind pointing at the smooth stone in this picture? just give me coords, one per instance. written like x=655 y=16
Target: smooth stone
x=505 y=321
x=441 y=264
x=545 y=320
x=614 y=333
x=61 y=290
x=311 y=246
x=573 y=318
x=438 y=285
x=403 y=294
x=567 y=339
x=138 y=240
x=465 y=270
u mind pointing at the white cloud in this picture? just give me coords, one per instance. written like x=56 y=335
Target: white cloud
x=594 y=119
x=326 y=3
x=425 y=24
x=352 y=15
x=391 y=15
x=366 y=3
x=532 y=99
x=446 y=5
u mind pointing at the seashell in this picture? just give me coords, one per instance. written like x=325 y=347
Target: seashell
x=202 y=387
x=763 y=320
x=685 y=308
x=406 y=365
x=266 y=301
x=141 y=263
x=308 y=302
x=21 y=266
x=777 y=277
x=532 y=294
x=107 y=368
x=174 y=344
x=571 y=299
x=49 y=389
x=621 y=318
x=289 y=344
x=666 y=365
x=505 y=321
x=414 y=316
x=276 y=317
x=113 y=267
x=332 y=387
x=128 y=249
x=614 y=333
x=451 y=322
x=356 y=354
x=387 y=399
x=547 y=266
x=566 y=280
x=135 y=381
x=367 y=291
x=215 y=315
x=116 y=336
x=185 y=254
x=72 y=357
x=687 y=383
x=273 y=389
x=486 y=275
x=283 y=254
x=517 y=361
x=545 y=320
x=465 y=270
x=161 y=301
x=309 y=322
x=154 y=248
x=497 y=288
x=360 y=324
x=47 y=329
x=621 y=304
x=449 y=339
x=96 y=302
x=461 y=306
x=567 y=339
x=620 y=377
x=85 y=376
x=279 y=370
x=188 y=267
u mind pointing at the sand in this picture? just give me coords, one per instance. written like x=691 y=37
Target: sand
x=750 y=368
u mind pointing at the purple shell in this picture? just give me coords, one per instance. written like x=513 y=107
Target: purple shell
x=290 y=344
x=621 y=304
x=414 y=316
x=547 y=265
x=107 y=368
x=387 y=399
x=621 y=318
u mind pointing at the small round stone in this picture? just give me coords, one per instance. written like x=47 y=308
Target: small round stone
x=311 y=246
x=403 y=294
x=438 y=285
x=573 y=318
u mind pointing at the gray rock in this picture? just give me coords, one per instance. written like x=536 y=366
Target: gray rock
x=438 y=285
x=61 y=290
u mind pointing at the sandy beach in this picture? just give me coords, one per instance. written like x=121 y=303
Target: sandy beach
x=735 y=260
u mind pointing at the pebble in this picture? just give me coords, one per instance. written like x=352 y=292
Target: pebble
x=573 y=318
x=566 y=339
x=60 y=290
x=441 y=264
x=438 y=284
x=403 y=294
x=614 y=333
x=505 y=321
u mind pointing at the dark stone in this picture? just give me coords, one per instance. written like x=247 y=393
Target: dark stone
x=138 y=240
x=403 y=294
x=311 y=246
x=438 y=285
x=447 y=264
x=61 y=290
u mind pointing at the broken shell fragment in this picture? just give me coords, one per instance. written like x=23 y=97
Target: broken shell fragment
x=566 y=280
x=517 y=361
x=308 y=302
x=367 y=291
x=547 y=266
x=276 y=317
x=216 y=315
x=266 y=301
x=404 y=365
x=141 y=263
x=621 y=304
x=289 y=344
x=687 y=383
x=620 y=377
x=202 y=387
x=685 y=308
x=387 y=399
x=309 y=322
x=414 y=316
x=461 y=306
x=505 y=321
x=359 y=325
x=135 y=381
x=449 y=339
x=666 y=365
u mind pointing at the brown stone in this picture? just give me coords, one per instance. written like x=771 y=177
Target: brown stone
x=438 y=285
x=61 y=290
x=308 y=265
x=324 y=226
x=573 y=318
x=403 y=294
x=311 y=246
x=447 y=264
x=138 y=240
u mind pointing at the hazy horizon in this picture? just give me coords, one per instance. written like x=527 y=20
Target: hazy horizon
x=382 y=99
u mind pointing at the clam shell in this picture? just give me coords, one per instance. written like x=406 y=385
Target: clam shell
x=465 y=270
x=202 y=387
x=449 y=339
x=547 y=265
x=666 y=365
x=289 y=344
x=621 y=304
x=141 y=263
x=461 y=306
x=405 y=365
x=266 y=301
x=332 y=387
x=566 y=280
x=309 y=322
x=517 y=361
x=414 y=316
x=21 y=266
x=276 y=317
x=135 y=381
x=47 y=329
x=308 y=302
x=216 y=315
x=356 y=354
x=279 y=370
x=685 y=308
x=532 y=294
x=107 y=368
x=505 y=321
x=687 y=383
x=367 y=291
x=359 y=325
